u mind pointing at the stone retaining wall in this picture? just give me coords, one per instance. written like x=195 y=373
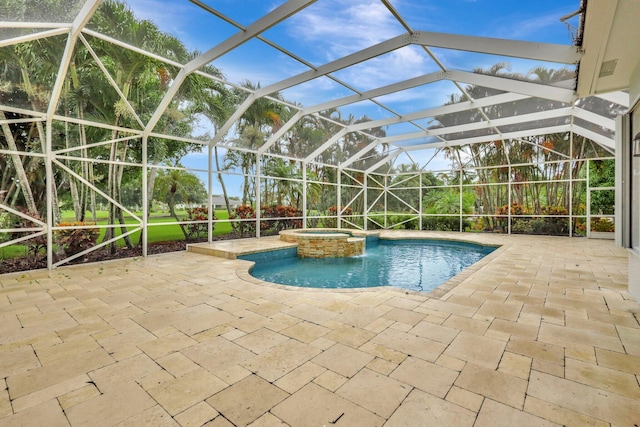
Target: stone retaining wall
x=325 y=243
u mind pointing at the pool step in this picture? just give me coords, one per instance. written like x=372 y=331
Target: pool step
x=231 y=249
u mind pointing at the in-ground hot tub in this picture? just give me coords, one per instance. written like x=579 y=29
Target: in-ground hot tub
x=326 y=242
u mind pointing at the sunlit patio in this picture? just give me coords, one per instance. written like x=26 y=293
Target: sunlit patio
x=541 y=332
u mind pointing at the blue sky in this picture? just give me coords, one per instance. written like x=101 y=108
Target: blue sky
x=329 y=29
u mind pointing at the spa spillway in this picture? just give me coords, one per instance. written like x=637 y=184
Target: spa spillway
x=326 y=242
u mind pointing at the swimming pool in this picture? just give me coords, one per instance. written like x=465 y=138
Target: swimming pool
x=417 y=265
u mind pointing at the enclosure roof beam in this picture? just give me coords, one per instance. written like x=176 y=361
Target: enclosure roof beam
x=384 y=90
x=563 y=54
x=85 y=13
x=374 y=93
x=517 y=86
x=386 y=159
x=34 y=36
x=326 y=145
x=594 y=136
x=267 y=21
x=344 y=62
x=428 y=78
x=488 y=138
x=437 y=111
x=281 y=132
x=355 y=157
x=595 y=118
x=504 y=121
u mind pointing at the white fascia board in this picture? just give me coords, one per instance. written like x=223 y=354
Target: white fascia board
x=594 y=118
x=608 y=143
x=512 y=85
x=598 y=22
x=487 y=138
x=563 y=54
x=620 y=98
x=346 y=61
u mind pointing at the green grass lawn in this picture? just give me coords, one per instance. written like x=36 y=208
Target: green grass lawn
x=157 y=233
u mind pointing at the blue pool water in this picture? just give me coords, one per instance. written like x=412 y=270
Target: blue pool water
x=417 y=265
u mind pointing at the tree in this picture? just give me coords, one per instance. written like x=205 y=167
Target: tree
x=540 y=172
x=177 y=185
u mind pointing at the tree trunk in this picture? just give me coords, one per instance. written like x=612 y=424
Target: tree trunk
x=224 y=188
x=19 y=167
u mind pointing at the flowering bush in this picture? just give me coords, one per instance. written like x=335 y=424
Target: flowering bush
x=75 y=240
x=243 y=212
x=284 y=217
x=288 y=217
x=514 y=209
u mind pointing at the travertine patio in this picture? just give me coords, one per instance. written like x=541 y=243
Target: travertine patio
x=542 y=333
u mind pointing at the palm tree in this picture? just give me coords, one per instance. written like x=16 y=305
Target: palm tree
x=177 y=185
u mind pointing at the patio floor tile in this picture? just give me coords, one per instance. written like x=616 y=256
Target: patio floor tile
x=314 y=405
x=476 y=349
x=423 y=409
x=375 y=392
x=185 y=391
x=586 y=400
x=247 y=400
x=494 y=414
x=343 y=360
x=541 y=332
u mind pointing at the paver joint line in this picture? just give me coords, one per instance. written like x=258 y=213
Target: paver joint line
x=541 y=332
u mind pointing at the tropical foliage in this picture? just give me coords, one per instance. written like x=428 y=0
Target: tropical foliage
x=106 y=129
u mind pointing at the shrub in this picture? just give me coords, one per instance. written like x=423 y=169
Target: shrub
x=333 y=212
x=273 y=219
x=514 y=209
x=603 y=225
x=76 y=240
x=556 y=226
x=444 y=223
x=243 y=212
x=35 y=244
x=197 y=231
x=286 y=217
x=410 y=224
x=523 y=226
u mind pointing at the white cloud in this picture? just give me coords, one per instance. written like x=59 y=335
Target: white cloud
x=357 y=26
x=534 y=27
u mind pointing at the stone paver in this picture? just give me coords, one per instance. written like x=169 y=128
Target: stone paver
x=247 y=400
x=540 y=333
